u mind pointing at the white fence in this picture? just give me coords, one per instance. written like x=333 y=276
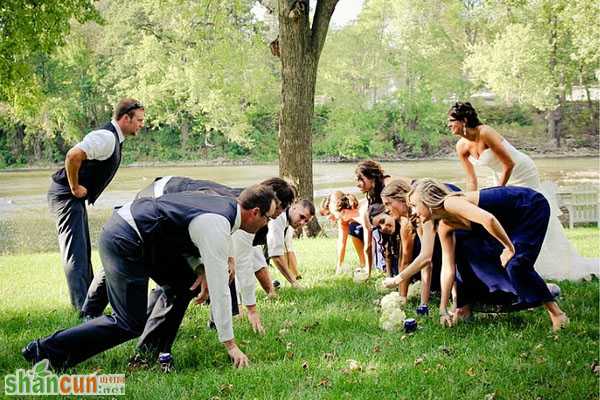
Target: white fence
x=582 y=203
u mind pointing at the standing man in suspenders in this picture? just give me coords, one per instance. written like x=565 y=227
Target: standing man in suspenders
x=89 y=167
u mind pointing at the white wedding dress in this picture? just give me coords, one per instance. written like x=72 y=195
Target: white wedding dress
x=558 y=259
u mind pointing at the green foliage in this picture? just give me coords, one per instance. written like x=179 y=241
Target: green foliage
x=263 y=134
x=29 y=28
x=211 y=86
x=532 y=55
x=506 y=114
x=348 y=134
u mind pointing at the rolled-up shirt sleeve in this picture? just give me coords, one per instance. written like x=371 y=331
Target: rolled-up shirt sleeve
x=211 y=233
x=276 y=236
x=98 y=145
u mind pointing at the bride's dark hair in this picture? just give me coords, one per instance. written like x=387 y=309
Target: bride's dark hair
x=462 y=111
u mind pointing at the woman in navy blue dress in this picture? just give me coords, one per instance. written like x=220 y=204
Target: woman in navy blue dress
x=492 y=237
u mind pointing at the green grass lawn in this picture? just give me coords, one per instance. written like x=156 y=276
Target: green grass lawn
x=332 y=321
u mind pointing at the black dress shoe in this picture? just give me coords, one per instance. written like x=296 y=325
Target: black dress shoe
x=31 y=352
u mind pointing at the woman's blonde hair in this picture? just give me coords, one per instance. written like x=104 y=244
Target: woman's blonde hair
x=324 y=206
x=346 y=202
x=397 y=189
x=432 y=192
x=338 y=201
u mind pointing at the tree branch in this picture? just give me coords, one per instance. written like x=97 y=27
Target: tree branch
x=320 y=24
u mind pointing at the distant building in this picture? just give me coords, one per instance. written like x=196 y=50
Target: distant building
x=485 y=95
x=578 y=93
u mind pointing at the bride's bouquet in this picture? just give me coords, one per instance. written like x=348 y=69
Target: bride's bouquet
x=392 y=317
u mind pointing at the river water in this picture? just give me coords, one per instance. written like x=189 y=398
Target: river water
x=20 y=190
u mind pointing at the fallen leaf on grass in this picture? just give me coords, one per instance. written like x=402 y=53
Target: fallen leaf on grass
x=371 y=368
x=305 y=365
x=354 y=365
x=226 y=388
x=595 y=367
x=376 y=349
x=471 y=372
x=419 y=360
x=540 y=360
x=446 y=350
x=324 y=382
x=309 y=327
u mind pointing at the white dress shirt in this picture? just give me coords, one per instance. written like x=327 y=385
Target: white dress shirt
x=100 y=144
x=211 y=233
x=279 y=241
x=159 y=186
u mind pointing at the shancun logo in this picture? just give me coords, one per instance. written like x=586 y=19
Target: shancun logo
x=39 y=380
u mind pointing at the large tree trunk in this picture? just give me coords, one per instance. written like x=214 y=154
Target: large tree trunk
x=299 y=48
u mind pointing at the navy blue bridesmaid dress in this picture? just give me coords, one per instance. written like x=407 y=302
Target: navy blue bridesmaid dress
x=481 y=279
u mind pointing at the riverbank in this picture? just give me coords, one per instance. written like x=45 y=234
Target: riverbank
x=584 y=152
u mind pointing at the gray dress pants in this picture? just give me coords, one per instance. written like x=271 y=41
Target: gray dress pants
x=166 y=309
x=122 y=255
x=73 y=240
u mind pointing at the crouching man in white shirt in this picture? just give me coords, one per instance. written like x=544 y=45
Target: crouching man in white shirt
x=133 y=239
x=280 y=235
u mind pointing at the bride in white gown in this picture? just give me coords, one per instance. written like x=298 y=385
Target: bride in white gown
x=479 y=146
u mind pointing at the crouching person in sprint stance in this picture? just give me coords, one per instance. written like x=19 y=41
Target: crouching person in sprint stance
x=133 y=239
x=279 y=239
